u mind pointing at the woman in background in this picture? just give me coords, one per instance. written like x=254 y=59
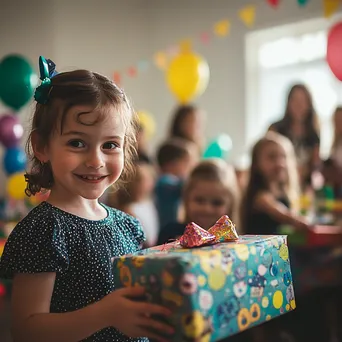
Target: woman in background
x=299 y=124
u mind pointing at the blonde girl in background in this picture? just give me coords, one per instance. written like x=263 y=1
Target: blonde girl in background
x=210 y=192
x=272 y=191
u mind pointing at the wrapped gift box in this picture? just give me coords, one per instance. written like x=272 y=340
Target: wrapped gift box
x=214 y=291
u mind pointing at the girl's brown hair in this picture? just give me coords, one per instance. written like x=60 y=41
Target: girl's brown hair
x=337 y=138
x=216 y=170
x=177 y=121
x=257 y=181
x=69 y=89
x=311 y=121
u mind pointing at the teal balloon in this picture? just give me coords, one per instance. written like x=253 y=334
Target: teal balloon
x=17 y=81
x=302 y=2
x=219 y=148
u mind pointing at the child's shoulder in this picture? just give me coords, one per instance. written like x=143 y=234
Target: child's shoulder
x=41 y=215
x=126 y=222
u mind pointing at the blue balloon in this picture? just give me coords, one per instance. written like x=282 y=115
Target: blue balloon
x=14 y=160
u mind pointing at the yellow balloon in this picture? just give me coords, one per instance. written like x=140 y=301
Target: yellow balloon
x=16 y=186
x=187 y=76
x=147 y=122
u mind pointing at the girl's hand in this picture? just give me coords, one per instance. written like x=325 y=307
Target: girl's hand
x=134 y=317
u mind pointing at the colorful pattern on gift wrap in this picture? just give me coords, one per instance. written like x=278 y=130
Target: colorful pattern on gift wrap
x=215 y=291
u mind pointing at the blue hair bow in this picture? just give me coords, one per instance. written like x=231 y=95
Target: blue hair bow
x=47 y=70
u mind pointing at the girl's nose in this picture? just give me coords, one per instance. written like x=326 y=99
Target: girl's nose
x=94 y=160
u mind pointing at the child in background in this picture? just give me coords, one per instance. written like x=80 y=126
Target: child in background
x=272 y=187
x=187 y=123
x=60 y=255
x=332 y=167
x=135 y=199
x=210 y=192
x=142 y=149
x=175 y=158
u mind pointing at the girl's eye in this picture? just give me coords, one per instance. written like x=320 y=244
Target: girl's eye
x=76 y=143
x=217 y=203
x=110 y=145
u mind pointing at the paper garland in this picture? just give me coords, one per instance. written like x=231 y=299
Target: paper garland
x=220 y=29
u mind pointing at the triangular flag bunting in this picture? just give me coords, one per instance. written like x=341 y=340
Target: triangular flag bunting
x=143 y=65
x=117 y=78
x=273 y=3
x=132 y=71
x=247 y=15
x=160 y=60
x=222 y=28
x=173 y=50
x=204 y=37
x=330 y=7
x=302 y=3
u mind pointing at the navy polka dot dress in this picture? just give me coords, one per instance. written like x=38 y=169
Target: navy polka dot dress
x=78 y=250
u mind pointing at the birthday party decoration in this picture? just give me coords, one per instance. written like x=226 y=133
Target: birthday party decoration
x=17 y=81
x=334 y=50
x=224 y=230
x=160 y=60
x=195 y=236
x=330 y=7
x=14 y=160
x=302 y=2
x=187 y=75
x=219 y=147
x=273 y=3
x=222 y=28
x=16 y=186
x=11 y=131
x=247 y=15
x=147 y=122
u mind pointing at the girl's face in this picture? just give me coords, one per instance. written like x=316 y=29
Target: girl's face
x=272 y=162
x=299 y=105
x=206 y=202
x=85 y=158
x=192 y=126
x=338 y=122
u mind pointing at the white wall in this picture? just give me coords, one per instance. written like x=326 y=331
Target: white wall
x=106 y=35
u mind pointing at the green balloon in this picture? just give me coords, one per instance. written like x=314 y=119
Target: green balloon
x=17 y=81
x=219 y=148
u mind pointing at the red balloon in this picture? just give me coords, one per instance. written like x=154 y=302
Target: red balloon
x=334 y=50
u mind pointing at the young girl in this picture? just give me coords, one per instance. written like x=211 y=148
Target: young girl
x=272 y=187
x=136 y=199
x=187 y=124
x=60 y=255
x=210 y=192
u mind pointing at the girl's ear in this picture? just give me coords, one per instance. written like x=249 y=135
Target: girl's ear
x=39 y=150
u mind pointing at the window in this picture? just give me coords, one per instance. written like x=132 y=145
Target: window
x=280 y=57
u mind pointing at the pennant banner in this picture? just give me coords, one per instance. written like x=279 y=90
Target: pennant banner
x=330 y=7
x=247 y=15
x=273 y=3
x=302 y=2
x=221 y=29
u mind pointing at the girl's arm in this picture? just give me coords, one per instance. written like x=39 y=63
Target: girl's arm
x=265 y=202
x=31 y=317
x=32 y=320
